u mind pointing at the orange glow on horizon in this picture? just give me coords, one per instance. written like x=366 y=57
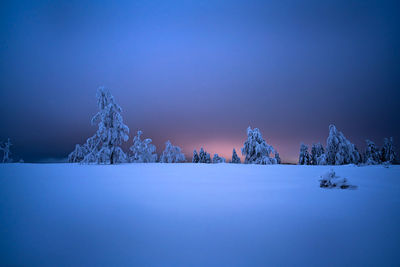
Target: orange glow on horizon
x=224 y=149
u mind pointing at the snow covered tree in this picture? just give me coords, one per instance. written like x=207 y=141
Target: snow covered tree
x=5 y=147
x=104 y=146
x=78 y=154
x=195 y=158
x=172 y=154
x=235 y=157
x=277 y=158
x=218 y=159
x=256 y=150
x=208 y=158
x=304 y=157
x=91 y=148
x=142 y=150
x=371 y=155
x=316 y=151
x=112 y=131
x=204 y=157
x=357 y=156
x=387 y=152
x=339 y=150
x=321 y=160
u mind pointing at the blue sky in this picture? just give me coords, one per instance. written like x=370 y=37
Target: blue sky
x=199 y=72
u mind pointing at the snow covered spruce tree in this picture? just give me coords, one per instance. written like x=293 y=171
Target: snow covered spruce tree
x=235 y=157
x=196 y=158
x=256 y=150
x=317 y=154
x=218 y=159
x=387 y=152
x=204 y=157
x=371 y=155
x=142 y=150
x=5 y=147
x=104 y=146
x=339 y=150
x=172 y=154
x=304 y=157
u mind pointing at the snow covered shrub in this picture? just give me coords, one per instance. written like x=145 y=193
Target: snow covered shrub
x=256 y=150
x=218 y=159
x=204 y=157
x=371 y=155
x=304 y=156
x=387 y=152
x=142 y=150
x=196 y=158
x=330 y=180
x=172 y=154
x=235 y=157
x=5 y=147
x=104 y=146
x=339 y=150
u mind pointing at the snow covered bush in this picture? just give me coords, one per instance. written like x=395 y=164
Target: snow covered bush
x=196 y=158
x=330 y=180
x=172 y=154
x=104 y=146
x=142 y=150
x=371 y=155
x=218 y=159
x=5 y=147
x=235 y=157
x=387 y=152
x=256 y=150
x=339 y=150
x=304 y=156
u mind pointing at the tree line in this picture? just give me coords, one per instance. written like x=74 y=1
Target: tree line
x=104 y=147
x=340 y=151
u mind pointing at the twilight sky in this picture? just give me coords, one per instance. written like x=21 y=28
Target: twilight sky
x=199 y=72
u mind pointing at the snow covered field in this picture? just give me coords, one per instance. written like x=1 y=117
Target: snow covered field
x=197 y=215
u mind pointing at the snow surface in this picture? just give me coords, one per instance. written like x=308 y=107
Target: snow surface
x=197 y=215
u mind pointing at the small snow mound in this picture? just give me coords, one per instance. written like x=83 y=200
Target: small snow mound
x=331 y=180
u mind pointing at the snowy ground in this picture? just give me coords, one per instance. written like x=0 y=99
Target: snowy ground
x=197 y=215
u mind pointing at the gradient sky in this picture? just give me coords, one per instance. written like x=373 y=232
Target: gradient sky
x=199 y=72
